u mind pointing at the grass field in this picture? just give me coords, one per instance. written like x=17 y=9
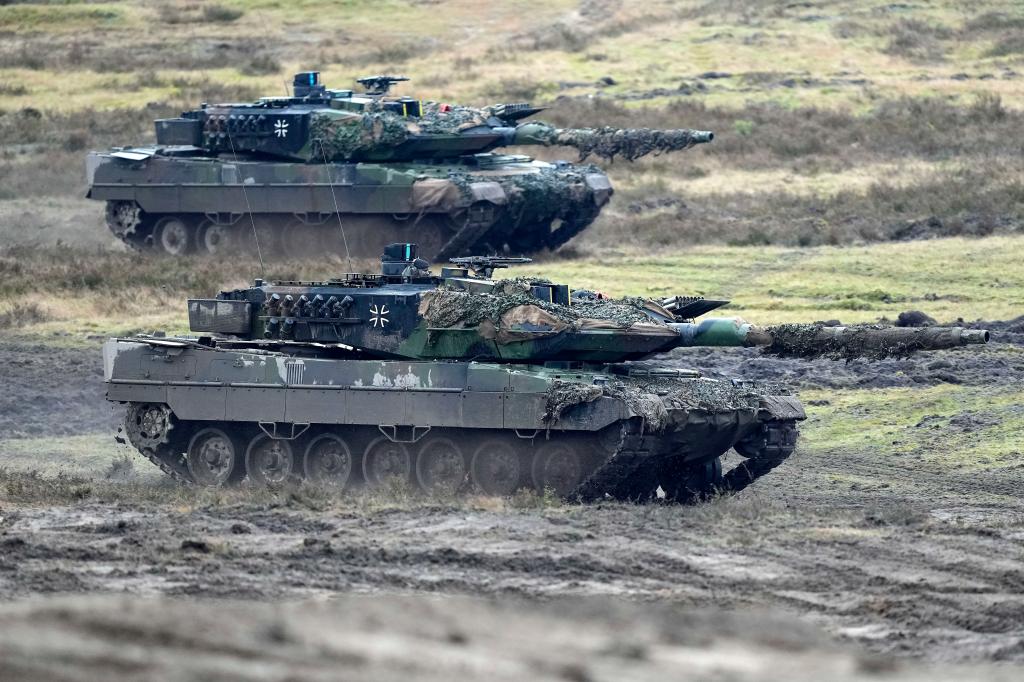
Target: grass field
x=74 y=55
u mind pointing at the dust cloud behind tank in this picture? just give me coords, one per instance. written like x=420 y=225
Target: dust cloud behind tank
x=293 y=172
x=458 y=381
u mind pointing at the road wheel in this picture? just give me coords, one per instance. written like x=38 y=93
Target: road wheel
x=440 y=465
x=429 y=233
x=269 y=461
x=173 y=236
x=215 y=239
x=123 y=219
x=385 y=460
x=214 y=458
x=328 y=460
x=496 y=468
x=260 y=235
x=557 y=465
x=695 y=482
x=301 y=240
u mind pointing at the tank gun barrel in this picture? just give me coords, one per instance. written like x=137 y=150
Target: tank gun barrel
x=608 y=142
x=815 y=340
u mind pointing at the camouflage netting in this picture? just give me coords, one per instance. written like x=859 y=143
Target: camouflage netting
x=653 y=398
x=548 y=194
x=873 y=342
x=340 y=138
x=565 y=394
x=344 y=136
x=541 y=195
x=450 y=307
x=454 y=120
x=629 y=143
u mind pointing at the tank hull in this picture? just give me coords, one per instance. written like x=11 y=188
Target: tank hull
x=180 y=201
x=584 y=433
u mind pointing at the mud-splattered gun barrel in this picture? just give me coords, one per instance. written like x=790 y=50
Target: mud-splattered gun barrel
x=607 y=142
x=814 y=340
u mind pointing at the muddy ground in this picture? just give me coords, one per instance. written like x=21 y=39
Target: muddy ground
x=911 y=561
x=402 y=638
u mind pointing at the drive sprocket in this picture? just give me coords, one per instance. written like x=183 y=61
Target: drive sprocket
x=148 y=425
x=123 y=218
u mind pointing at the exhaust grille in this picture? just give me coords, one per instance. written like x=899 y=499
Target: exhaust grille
x=293 y=371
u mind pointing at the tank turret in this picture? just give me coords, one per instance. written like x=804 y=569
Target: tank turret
x=318 y=125
x=459 y=314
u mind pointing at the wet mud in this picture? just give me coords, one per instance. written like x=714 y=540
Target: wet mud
x=401 y=638
x=912 y=570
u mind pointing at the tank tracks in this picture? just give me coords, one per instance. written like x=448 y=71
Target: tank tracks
x=440 y=237
x=764 y=452
x=617 y=464
x=631 y=473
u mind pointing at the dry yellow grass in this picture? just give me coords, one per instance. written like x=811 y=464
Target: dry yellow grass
x=463 y=50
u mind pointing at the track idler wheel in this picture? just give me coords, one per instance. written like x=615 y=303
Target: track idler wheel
x=270 y=461
x=440 y=465
x=328 y=460
x=765 y=449
x=495 y=468
x=214 y=458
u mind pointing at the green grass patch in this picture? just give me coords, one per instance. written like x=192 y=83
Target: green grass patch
x=86 y=455
x=968 y=428
x=60 y=17
x=946 y=278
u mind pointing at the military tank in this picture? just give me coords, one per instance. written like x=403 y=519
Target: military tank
x=339 y=171
x=459 y=381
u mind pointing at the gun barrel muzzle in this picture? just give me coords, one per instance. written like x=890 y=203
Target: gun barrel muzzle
x=969 y=336
x=702 y=136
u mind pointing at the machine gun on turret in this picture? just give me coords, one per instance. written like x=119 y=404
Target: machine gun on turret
x=380 y=85
x=484 y=266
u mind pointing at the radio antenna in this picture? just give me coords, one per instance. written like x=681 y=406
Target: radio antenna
x=337 y=210
x=248 y=206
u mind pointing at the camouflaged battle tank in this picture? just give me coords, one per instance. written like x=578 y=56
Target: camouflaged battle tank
x=291 y=174
x=458 y=381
